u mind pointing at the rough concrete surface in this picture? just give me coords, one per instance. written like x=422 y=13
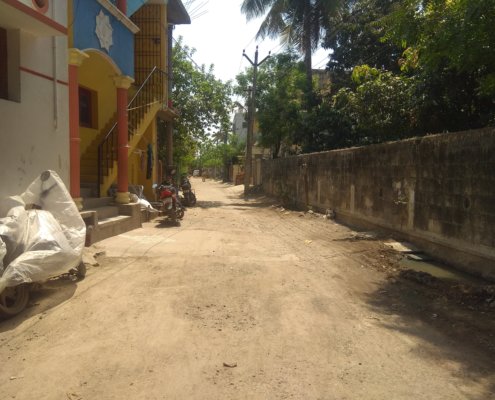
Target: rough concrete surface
x=244 y=301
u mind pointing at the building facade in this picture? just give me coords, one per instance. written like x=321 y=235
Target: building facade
x=33 y=92
x=119 y=86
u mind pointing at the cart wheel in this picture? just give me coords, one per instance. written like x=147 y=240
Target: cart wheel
x=81 y=270
x=13 y=300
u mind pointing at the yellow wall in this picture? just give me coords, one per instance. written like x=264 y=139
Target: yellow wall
x=97 y=74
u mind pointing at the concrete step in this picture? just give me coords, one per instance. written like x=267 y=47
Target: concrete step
x=105 y=212
x=109 y=220
x=96 y=202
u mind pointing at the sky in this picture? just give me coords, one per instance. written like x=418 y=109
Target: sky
x=219 y=32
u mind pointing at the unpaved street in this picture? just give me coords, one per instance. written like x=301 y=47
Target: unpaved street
x=242 y=301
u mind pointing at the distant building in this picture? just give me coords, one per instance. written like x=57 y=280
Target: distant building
x=240 y=125
x=323 y=83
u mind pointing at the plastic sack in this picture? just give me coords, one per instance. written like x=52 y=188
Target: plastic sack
x=42 y=233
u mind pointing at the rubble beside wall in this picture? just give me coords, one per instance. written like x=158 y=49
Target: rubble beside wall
x=437 y=191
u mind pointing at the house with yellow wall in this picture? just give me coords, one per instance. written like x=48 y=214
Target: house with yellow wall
x=118 y=88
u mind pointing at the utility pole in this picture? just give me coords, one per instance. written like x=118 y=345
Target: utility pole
x=251 y=114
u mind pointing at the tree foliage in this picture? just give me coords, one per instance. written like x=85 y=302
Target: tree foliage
x=298 y=23
x=449 y=45
x=203 y=103
x=355 y=38
x=403 y=68
x=280 y=91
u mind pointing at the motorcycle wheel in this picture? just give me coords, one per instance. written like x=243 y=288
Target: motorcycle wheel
x=180 y=213
x=192 y=199
x=13 y=300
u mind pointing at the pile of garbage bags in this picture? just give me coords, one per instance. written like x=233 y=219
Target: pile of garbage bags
x=42 y=233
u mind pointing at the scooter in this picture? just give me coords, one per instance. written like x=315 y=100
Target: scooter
x=169 y=205
x=187 y=192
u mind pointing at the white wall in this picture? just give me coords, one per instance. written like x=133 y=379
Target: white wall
x=34 y=133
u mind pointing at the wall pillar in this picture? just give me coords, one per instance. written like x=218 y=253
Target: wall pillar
x=122 y=6
x=122 y=84
x=76 y=57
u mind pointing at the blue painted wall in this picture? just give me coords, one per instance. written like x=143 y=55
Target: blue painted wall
x=134 y=5
x=84 y=25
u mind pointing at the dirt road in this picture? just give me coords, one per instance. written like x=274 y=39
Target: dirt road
x=243 y=301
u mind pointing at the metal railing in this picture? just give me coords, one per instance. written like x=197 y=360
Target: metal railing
x=151 y=91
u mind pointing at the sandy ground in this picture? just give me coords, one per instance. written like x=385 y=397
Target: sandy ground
x=244 y=301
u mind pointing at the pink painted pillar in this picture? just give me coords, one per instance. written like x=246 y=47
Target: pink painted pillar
x=122 y=6
x=76 y=58
x=122 y=83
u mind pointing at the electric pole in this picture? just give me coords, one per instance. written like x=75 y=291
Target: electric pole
x=251 y=114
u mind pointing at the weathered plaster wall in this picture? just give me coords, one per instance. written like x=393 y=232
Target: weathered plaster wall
x=34 y=132
x=438 y=191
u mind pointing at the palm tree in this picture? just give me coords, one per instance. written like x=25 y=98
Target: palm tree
x=299 y=23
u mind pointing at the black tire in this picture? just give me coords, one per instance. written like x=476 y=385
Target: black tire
x=13 y=300
x=192 y=199
x=81 y=270
x=180 y=213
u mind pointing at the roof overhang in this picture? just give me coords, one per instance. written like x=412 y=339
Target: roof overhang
x=177 y=13
x=17 y=15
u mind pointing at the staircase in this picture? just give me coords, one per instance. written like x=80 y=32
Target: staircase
x=89 y=161
x=142 y=110
x=103 y=217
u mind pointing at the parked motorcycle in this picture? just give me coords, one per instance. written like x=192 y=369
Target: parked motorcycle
x=189 y=197
x=169 y=205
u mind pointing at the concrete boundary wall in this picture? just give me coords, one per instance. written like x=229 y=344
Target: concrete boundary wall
x=437 y=191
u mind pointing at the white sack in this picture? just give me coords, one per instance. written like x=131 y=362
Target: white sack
x=38 y=244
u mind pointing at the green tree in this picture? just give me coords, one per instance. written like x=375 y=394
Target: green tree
x=203 y=102
x=449 y=45
x=280 y=91
x=299 y=23
x=355 y=38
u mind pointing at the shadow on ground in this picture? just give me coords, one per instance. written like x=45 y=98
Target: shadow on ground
x=452 y=322
x=42 y=298
x=164 y=222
